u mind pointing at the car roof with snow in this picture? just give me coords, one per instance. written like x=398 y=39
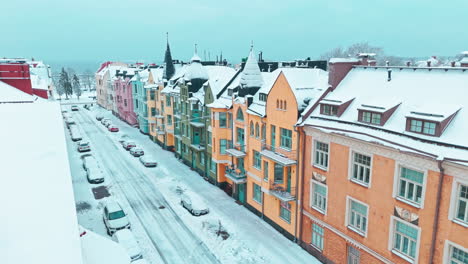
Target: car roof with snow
x=113 y=206
x=196 y=200
x=148 y=157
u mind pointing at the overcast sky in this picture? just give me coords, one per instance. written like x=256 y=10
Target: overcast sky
x=98 y=30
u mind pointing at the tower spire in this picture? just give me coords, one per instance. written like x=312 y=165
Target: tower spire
x=169 y=69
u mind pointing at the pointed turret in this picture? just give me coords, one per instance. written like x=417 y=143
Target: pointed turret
x=251 y=78
x=196 y=73
x=169 y=69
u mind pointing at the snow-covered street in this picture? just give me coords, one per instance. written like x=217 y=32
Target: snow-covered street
x=166 y=232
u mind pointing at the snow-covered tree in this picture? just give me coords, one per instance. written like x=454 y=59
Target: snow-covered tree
x=65 y=83
x=87 y=79
x=76 y=86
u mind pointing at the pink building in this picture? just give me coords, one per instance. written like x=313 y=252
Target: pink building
x=123 y=95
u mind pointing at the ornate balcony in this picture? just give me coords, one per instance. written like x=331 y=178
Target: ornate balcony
x=282 y=193
x=237 y=151
x=236 y=175
x=279 y=155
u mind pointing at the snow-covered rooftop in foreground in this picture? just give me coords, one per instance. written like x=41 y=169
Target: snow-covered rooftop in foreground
x=39 y=223
x=100 y=250
x=429 y=94
x=9 y=94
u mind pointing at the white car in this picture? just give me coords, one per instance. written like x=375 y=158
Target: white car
x=123 y=138
x=94 y=174
x=74 y=108
x=128 y=145
x=83 y=146
x=114 y=217
x=69 y=120
x=148 y=161
x=104 y=121
x=137 y=152
x=126 y=238
x=89 y=161
x=99 y=117
x=194 y=204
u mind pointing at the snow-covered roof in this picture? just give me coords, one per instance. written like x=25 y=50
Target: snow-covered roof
x=157 y=74
x=172 y=86
x=39 y=82
x=430 y=94
x=258 y=107
x=336 y=60
x=97 y=249
x=251 y=75
x=196 y=70
x=10 y=94
x=39 y=224
x=219 y=76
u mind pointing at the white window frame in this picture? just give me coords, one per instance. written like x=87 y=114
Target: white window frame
x=396 y=184
x=449 y=245
x=454 y=201
x=315 y=152
x=348 y=216
x=253 y=193
x=393 y=220
x=312 y=236
x=351 y=167
x=311 y=202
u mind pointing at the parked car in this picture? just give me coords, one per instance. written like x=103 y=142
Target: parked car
x=94 y=174
x=108 y=124
x=74 y=108
x=193 y=204
x=128 y=145
x=69 y=120
x=114 y=217
x=126 y=238
x=99 y=117
x=148 y=161
x=123 y=138
x=104 y=121
x=89 y=161
x=113 y=128
x=75 y=133
x=83 y=146
x=137 y=152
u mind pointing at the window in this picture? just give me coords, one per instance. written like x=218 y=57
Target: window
x=209 y=138
x=331 y=110
x=319 y=197
x=285 y=211
x=223 y=145
x=405 y=238
x=286 y=138
x=169 y=120
x=168 y=101
x=423 y=127
x=202 y=158
x=152 y=94
x=357 y=216
x=371 y=117
x=410 y=185
x=354 y=256
x=252 y=129
x=321 y=154
x=263 y=132
x=265 y=170
x=257 y=161
x=222 y=120
x=229 y=120
x=257 y=193
x=461 y=209
x=457 y=255
x=262 y=97
x=317 y=236
x=257 y=130
x=239 y=115
x=125 y=102
x=153 y=111
x=213 y=166
x=285 y=105
x=277 y=103
x=279 y=173
x=361 y=168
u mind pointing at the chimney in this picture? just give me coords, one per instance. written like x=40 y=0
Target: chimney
x=428 y=63
x=452 y=63
x=249 y=100
x=117 y=72
x=124 y=72
x=408 y=63
x=389 y=73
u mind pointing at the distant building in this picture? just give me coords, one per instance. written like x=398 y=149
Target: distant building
x=104 y=90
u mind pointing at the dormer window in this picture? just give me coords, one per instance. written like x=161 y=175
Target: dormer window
x=371 y=117
x=423 y=127
x=331 y=110
x=262 y=97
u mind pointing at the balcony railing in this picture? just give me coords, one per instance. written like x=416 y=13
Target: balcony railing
x=199 y=146
x=237 y=150
x=280 y=155
x=237 y=175
x=281 y=192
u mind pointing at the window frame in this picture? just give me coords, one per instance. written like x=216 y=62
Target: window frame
x=287 y=209
x=240 y=114
x=453 y=209
x=257 y=158
x=371 y=117
x=221 y=146
x=286 y=138
x=348 y=225
x=225 y=119
x=448 y=249
x=312 y=197
x=396 y=185
x=259 y=188
x=351 y=168
x=320 y=236
x=423 y=125
x=391 y=240
x=330 y=112
x=315 y=153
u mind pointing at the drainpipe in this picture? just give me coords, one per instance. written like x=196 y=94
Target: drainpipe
x=298 y=184
x=302 y=162
x=437 y=209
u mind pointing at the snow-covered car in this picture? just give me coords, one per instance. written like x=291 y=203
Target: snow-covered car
x=69 y=120
x=194 y=204
x=140 y=261
x=123 y=138
x=148 y=161
x=83 y=146
x=126 y=238
x=113 y=128
x=88 y=161
x=99 y=117
x=74 y=108
x=128 y=145
x=108 y=124
x=114 y=217
x=75 y=133
x=94 y=174
x=105 y=121
x=137 y=152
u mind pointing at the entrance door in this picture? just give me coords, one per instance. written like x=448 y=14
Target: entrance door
x=241 y=188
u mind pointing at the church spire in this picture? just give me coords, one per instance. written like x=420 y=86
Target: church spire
x=251 y=78
x=169 y=69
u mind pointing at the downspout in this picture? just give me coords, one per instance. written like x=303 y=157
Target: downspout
x=298 y=184
x=437 y=209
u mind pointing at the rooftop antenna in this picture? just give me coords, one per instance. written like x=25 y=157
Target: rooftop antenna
x=167 y=38
x=196 y=48
x=251 y=45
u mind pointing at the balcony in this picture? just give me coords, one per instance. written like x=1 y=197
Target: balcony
x=196 y=118
x=282 y=193
x=160 y=130
x=198 y=146
x=237 y=151
x=236 y=175
x=279 y=155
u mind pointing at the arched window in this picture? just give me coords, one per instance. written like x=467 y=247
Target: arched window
x=251 y=129
x=277 y=103
x=257 y=130
x=240 y=114
x=263 y=132
x=284 y=105
x=281 y=104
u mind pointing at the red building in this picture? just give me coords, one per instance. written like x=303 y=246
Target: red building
x=15 y=72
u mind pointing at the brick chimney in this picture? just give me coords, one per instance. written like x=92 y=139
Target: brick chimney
x=339 y=67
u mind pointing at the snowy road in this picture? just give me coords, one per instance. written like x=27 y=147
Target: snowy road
x=171 y=234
